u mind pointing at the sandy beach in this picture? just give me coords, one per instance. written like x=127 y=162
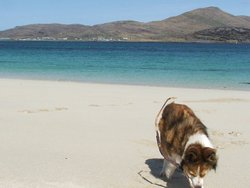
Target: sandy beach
x=79 y=135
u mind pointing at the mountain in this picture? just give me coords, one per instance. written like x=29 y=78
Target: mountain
x=224 y=34
x=130 y=30
x=204 y=24
x=247 y=18
x=58 y=31
x=199 y=19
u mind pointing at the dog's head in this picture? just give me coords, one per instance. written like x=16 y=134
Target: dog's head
x=197 y=162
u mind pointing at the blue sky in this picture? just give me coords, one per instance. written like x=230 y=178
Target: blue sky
x=90 y=12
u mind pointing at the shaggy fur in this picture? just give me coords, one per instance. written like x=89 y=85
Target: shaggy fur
x=184 y=141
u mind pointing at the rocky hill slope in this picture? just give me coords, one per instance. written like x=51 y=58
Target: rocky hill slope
x=206 y=24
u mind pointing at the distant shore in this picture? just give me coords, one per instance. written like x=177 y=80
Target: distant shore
x=136 y=41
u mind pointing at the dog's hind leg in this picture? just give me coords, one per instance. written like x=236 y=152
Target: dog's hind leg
x=168 y=169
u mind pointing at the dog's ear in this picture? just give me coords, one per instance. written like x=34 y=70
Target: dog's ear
x=209 y=155
x=192 y=155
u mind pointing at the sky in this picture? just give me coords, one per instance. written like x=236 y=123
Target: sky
x=90 y=12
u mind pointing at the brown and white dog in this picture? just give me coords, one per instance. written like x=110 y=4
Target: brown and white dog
x=184 y=142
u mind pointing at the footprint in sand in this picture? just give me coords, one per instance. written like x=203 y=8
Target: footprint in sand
x=94 y=105
x=112 y=105
x=226 y=139
x=43 y=110
x=61 y=108
x=26 y=111
x=239 y=142
x=234 y=133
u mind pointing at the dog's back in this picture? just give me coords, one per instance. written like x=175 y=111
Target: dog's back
x=177 y=124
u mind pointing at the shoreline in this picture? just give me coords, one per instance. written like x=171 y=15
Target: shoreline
x=130 y=84
x=58 y=134
x=126 y=41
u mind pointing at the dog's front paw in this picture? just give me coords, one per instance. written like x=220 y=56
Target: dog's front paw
x=166 y=174
x=162 y=174
x=168 y=170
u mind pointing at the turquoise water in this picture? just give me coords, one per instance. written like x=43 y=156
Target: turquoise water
x=162 y=64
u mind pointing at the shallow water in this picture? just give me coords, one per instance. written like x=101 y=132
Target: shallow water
x=162 y=64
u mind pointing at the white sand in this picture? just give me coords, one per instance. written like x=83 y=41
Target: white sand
x=62 y=134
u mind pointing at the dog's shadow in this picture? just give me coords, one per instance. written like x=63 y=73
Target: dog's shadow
x=178 y=180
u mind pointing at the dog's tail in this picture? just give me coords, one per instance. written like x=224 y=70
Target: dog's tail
x=157 y=121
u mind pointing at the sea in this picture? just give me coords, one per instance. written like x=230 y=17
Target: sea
x=189 y=65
